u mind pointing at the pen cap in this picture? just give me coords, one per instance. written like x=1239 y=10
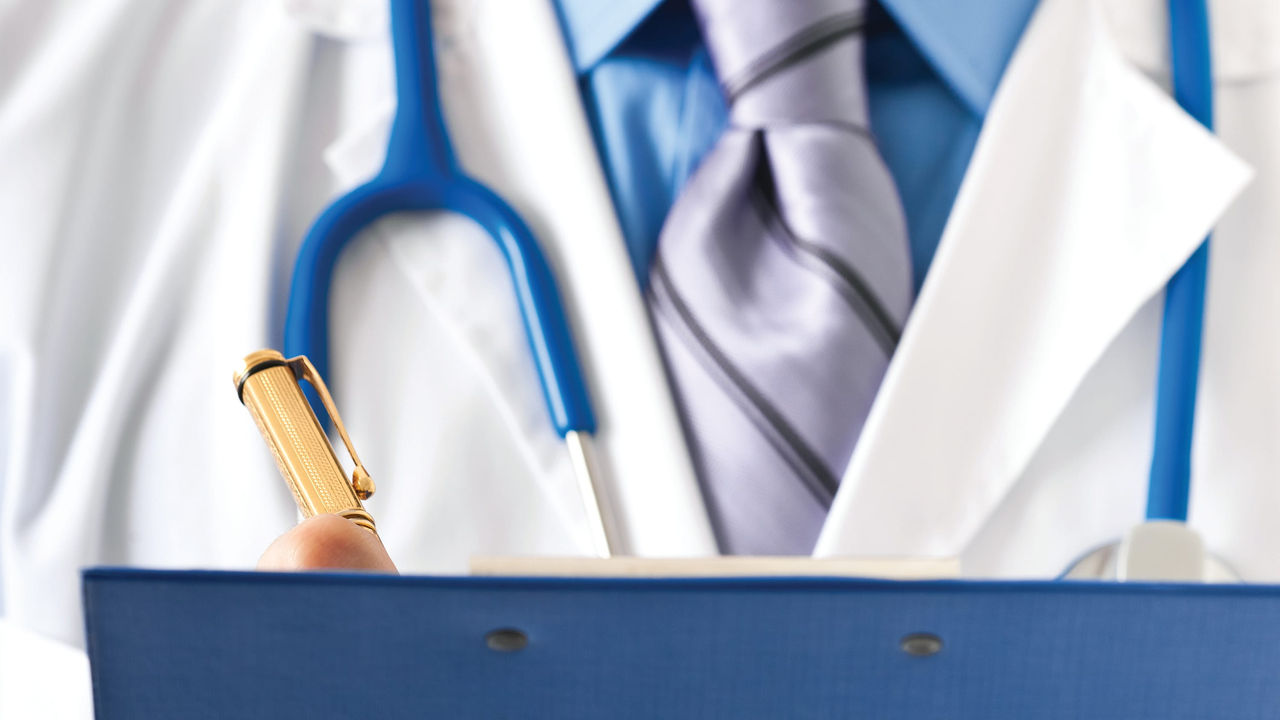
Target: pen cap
x=268 y=387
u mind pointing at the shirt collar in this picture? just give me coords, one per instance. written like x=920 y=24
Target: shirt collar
x=968 y=50
x=593 y=29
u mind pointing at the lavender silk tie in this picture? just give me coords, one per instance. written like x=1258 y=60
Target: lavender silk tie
x=783 y=277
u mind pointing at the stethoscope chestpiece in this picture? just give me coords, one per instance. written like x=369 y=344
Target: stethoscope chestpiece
x=1154 y=551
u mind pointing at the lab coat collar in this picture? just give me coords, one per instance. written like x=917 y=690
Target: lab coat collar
x=1242 y=36
x=1088 y=188
x=341 y=19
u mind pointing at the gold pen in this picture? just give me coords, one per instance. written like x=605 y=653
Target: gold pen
x=268 y=387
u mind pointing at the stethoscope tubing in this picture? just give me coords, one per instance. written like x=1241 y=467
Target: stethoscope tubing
x=1169 y=484
x=421 y=174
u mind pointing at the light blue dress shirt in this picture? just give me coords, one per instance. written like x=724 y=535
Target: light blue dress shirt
x=656 y=107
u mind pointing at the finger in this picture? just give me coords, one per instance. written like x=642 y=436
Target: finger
x=327 y=541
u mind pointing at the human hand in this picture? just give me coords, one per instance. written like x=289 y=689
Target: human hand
x=327 y=542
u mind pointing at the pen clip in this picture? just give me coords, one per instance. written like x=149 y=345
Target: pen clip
x=361 y=482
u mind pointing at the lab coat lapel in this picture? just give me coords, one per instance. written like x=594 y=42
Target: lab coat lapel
x=1088 y=188
x=547 y=168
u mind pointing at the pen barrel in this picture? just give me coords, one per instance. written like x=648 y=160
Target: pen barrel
x=301 y=449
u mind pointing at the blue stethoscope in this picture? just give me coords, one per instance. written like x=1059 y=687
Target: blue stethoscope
x=1169 y=482
x=421 y=173
x=1169 y=486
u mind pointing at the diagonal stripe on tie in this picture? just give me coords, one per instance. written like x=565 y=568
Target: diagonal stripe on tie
x=804 y=461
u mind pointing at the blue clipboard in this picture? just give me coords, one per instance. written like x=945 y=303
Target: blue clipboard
x=254 y=645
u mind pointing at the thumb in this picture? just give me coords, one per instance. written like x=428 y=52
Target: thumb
x=327 y=541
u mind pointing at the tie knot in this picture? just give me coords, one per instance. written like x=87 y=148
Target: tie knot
x=788 y=61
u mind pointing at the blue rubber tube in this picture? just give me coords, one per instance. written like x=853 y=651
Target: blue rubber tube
x=1169 y=486
x=421 y=173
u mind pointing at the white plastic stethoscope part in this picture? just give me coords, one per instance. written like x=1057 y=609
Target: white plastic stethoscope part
x=1154 y=551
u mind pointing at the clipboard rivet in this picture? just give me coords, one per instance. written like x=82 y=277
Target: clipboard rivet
x=506 y=640
x=921 y=644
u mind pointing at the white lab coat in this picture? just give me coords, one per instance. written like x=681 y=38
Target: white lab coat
x=154 y=225
x=1014 y=428
x=161 y=164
